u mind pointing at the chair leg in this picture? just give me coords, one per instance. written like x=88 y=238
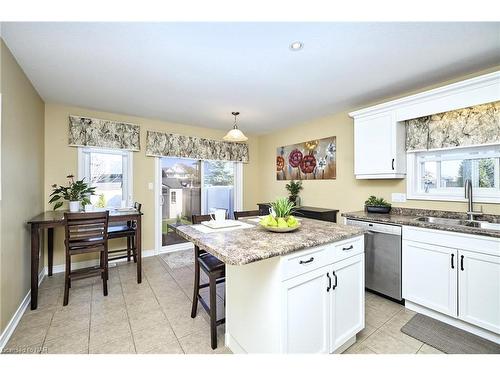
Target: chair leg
x=134 y=248
x=196 y=288
x=129 y=248
x=66 y=280
x=213 y=312
x=105 y=271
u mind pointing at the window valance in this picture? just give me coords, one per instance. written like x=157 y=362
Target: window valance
x=91 y=132
x=469 y=126
x=163 y=144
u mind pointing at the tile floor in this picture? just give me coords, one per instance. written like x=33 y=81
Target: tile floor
x=154 y=317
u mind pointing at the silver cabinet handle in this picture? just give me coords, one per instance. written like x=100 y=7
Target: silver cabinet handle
x=306 y=261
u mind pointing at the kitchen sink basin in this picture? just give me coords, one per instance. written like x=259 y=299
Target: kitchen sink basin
x=459 y=222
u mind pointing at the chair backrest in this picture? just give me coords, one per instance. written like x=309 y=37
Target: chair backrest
x=86 y=229
x=197 y=219
x=238 y=214
x=138 y=206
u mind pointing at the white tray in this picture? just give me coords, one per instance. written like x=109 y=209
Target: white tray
x=224 y=224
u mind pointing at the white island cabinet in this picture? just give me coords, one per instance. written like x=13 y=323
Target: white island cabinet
x=310 y=301
x=453 y=277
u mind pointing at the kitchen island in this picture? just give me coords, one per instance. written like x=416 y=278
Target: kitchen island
x=297 y=292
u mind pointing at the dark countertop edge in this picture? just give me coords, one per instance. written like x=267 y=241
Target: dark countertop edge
x=362 y=215
x=267 y=256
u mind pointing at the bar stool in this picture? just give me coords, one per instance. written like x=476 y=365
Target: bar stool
x=215 y=269
x=86 y=233
x=124 y=230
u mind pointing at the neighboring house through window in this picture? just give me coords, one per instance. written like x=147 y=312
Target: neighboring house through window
x=110 y=171
x=441 y=174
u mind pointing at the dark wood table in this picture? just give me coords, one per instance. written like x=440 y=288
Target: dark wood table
x=52 y=219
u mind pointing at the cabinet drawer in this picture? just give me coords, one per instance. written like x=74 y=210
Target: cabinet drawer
x=348 y=248
x=306 y=261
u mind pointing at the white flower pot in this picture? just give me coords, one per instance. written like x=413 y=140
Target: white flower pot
x=74 y=206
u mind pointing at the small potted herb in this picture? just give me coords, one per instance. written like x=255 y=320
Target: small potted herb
x=75 y=192
x=377 y=205
x=294 y=188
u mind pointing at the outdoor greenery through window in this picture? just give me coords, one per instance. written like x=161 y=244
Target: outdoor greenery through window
x=108 y=171
x=443 y=173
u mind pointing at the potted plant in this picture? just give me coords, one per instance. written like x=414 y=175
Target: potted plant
x=294 y=188
x=280 y=219
x=377 y=205
x=75 y=192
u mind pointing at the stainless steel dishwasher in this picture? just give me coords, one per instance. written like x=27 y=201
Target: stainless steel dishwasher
x=382 y=257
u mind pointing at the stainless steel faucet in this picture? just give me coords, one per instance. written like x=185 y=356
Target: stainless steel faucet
x=470 y=203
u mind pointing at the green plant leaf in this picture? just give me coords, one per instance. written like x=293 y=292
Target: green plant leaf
x=57 y=205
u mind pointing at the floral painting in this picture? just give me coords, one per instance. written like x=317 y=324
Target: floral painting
x=311 y=160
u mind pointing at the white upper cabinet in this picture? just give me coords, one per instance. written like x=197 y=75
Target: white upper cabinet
x=379 y=147
x=379 y=131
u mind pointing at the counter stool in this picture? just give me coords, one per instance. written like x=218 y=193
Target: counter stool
x=215 y=269
x=238 y=214
x=124 y=230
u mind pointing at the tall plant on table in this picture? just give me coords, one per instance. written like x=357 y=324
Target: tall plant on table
x=75 y=192
x=294 y=188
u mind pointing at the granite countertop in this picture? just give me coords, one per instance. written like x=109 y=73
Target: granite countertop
x=243 y=246
x=408 y=216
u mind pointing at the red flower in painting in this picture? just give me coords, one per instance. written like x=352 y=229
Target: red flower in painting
x=308 y=164
x=295 y=158
x=280 y=163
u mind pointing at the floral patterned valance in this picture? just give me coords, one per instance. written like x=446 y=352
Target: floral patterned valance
x=163 y=144
x=463 y=127
x=91 y=132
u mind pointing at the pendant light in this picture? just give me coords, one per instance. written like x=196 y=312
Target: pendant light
x=235 y=134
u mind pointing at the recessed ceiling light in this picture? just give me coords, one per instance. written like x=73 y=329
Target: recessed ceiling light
x=296 y=46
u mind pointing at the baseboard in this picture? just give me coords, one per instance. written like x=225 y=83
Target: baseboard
x=485 y=334
x=16 y=318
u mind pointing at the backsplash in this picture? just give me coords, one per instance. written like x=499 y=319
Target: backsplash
x=475 y=125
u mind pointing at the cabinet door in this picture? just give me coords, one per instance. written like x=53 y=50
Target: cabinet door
x=347 y=300
x=479 y=290
x=306 y=311
x=373 y=144
x=430 y=276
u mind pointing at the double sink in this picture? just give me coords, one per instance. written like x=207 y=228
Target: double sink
x=460 y=222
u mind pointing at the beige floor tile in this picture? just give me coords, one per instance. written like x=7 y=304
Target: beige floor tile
x=103 y=333
x=67 y=327
x=38 y=318
x=359 y=348
x=122 y=345
x=27 y=337
x=184 y=325
x=74 y=343
x=12 y=348
x=366 y=332
x=108 y=317
x=427 y=349
x=172 y=347
x=384 y=343
x=155 y=336
x=199 y=342
x=151 y=319
x=375 y=318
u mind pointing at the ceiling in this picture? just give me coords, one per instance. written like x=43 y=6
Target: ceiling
x=197 y=73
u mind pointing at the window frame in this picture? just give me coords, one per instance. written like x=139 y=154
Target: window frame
x=127 y=167
x=455 y=194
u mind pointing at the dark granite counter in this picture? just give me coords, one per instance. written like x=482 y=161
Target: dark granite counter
x=408 y=216
x=242 y=246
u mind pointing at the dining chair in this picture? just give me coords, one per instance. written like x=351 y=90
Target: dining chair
x=215 y=269
x=86 y=232
x=238 y=214
x=124 y=230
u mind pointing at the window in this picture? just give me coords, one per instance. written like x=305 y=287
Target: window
x=441 y=175
x=173 y=197
x=110 y=171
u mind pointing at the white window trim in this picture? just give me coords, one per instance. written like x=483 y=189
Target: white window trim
x=482 y=195
x=83 y=160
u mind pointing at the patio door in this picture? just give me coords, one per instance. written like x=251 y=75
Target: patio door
x=187 y=187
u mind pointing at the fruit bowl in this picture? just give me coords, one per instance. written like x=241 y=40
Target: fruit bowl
x=281 y=229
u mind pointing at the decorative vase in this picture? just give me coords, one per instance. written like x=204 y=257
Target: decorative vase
x=74 y=206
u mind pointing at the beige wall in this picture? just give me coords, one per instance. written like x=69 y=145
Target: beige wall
x=345 y=193
x=60 y=160
x=22 y=180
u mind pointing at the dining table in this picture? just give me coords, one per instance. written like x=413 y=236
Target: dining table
x=52 y=219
